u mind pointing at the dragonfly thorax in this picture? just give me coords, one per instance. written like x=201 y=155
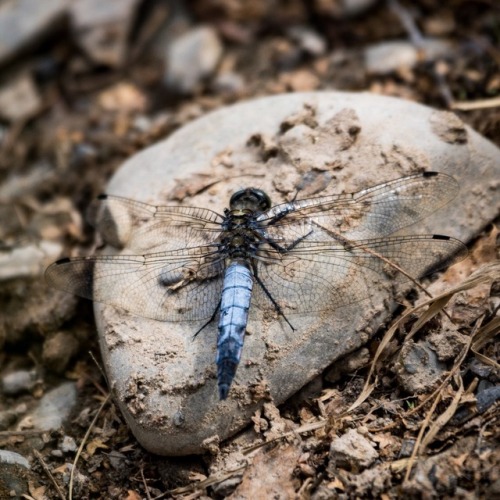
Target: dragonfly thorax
x=241 y=241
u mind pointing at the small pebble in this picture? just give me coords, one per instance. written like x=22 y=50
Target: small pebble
x=386 y=57
x=68 y=444
x=11 y=457
x=418 y=367
x=19 y=381
x=58 y=351
x=191 y=58
x=352 y=450
x=53 y=409
x=308 y=40
x=487 y=398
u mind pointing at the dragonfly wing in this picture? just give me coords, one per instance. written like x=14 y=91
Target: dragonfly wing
x=374 y=212
x=179 y=285
x=318 y=276
x=140 y=227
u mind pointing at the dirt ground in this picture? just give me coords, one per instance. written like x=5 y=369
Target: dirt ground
x=83 y=86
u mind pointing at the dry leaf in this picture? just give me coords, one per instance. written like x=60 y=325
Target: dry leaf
x=37 y=493
x=94 y=445
x=132 y=495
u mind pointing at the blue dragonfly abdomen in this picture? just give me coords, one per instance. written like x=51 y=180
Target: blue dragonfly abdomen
x=233 y=319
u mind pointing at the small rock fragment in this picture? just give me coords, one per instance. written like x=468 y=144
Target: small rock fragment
x=24 y=21
x=418 y=367
x=386 y=57
x=487 y=398
x=19 y=99
x=58 y=351
x=18 y=381
x=225 y=488
x=28 y=261
x=102 y=28
x=229 y=83
x=11 y=457
x=308 y=40
x=191 y=58
x=447 y=342
x=371 y=483
x=68 y=444
x=123 y=97
x=352 y=450
x=53 y=408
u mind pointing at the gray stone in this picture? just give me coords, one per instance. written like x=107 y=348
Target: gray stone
x=53 y=409
x=68 y=444
x=191 y=58
x=418 y=367
x=487 y=398
x=308 y=40
x=11 y=458
x=28 y=261
x=163 y=379
x=24 y=22
x=18 y=381
x=102 y=28
x=386 y=57
x=353 y=451
x=19 y=98
x=58 y=350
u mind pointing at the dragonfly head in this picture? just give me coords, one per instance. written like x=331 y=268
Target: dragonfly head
x=250 y=199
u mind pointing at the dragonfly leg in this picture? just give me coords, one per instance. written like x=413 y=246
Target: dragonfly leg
x=292 y=245
x=271 y=298
x=212 y=318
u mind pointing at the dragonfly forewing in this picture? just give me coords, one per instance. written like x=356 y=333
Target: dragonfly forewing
x=141 y=227
x=180 y=285
x=371 y=213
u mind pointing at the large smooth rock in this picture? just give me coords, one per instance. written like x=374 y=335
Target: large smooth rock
x=164 y=380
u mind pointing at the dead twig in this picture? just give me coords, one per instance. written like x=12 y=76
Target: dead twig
x=456 y=367
x=486 y=274
x=301 y=430
x=216 y=478
x=420 y=436
x=146 y=487
x=26 y=432
x=494 y=102
x=82 y=444
x=46 y=469
x=444 y=418
x=421 y=443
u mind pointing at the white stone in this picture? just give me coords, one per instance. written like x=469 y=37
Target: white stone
x=386 y=57
x=352 y=450
x=192 y=57
x=163 y=378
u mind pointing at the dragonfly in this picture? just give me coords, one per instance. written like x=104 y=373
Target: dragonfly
x=299 y=257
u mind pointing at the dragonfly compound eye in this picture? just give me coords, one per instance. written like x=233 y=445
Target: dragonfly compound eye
x=251 y=198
